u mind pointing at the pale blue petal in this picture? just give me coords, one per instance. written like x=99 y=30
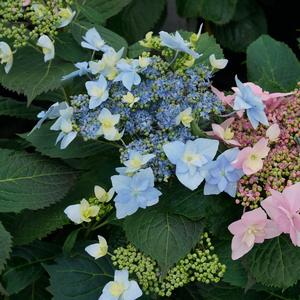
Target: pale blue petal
x=152 y=196
x=208 y=147
x=222 y=183
x=133 y=292
x=128 y=80
x=174 y=151
x=231 y=189
x=121 y=183
x=191 y=182
x=94 y=102
x=126 y=209
x=67 y=139
x=211 y=189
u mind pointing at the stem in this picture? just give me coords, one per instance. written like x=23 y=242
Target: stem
x=174 y=58
x=278 y=296
x=228 y=115
x=100 y=225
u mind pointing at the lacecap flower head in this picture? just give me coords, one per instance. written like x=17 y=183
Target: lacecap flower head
x=190 y=159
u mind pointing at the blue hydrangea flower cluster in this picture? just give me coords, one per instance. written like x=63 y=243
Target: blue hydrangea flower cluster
x=151 y=122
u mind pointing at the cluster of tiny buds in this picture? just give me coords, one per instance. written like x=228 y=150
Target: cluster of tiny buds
x=200 y=265
x=104 y=208
x=23 y=23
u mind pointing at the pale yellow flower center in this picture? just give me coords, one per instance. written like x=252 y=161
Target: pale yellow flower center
x=97 y=91
x=228 y=134
x=117 y=289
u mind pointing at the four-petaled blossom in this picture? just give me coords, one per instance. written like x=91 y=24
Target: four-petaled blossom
x=94 y=41
x=176 y=42
x=223 y=132
x=217 y=63
x=99 y=249
x=66 y=16
x=130 y=99
x=134 y=192
x=51 y=113
x=107 y=65
x=83 y=69
x=82 y=212
x=64 y=124
x=271 y=100
x=102 y=195
x=6 y=56
x=128 y=73
x=284 y=208
x=47 y=47
x=121 y=288
x=255 y=108
x=250 y=159
x=273 y=132
x=97 y=90
x=222 y=176
x=253 y=227
x=185 y=117
x=190 y=159
x=136 y=161
x=108 y=122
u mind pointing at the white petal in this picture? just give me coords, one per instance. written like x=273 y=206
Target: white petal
x=73 y=213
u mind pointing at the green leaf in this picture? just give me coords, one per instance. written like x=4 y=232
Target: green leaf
x=14 y=108
x=196 y=206
x=80 y=277
x=135 y=50
x=29 y=225
x=43 y=140
x=275 y=263
x=68 y=49
x=217 y=11
x=112 y=39
x=248 y=23
x=132 y=23
x=31 y=181
x=42 y=76
x=272 y=65
x=26 y=266
x=71 y=241
x=98 y=11
x=164 y=236
x=221 y=291
x=235 y=274
x=5 y=246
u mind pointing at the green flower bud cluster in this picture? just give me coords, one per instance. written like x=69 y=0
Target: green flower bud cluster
x=21 y=23
x=104 y=207
x=200 y=265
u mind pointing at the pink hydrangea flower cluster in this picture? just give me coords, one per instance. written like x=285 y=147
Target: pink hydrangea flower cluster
x=254 y=226
x=281 y=166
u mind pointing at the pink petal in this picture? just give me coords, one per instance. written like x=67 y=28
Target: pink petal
x=271 y=230
x=273 y=132
x=254 y=217
x=261 y=148
x=227 y=123
x=296 y=220
x=233 y=142
x=292 y=195
x=237 y=227
x=218 y=131
x=241 y=157
x=226 y=100
x=239 y=248
x=270 y=205
x=295 y=236
x=252 y=166
x=257 y=90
